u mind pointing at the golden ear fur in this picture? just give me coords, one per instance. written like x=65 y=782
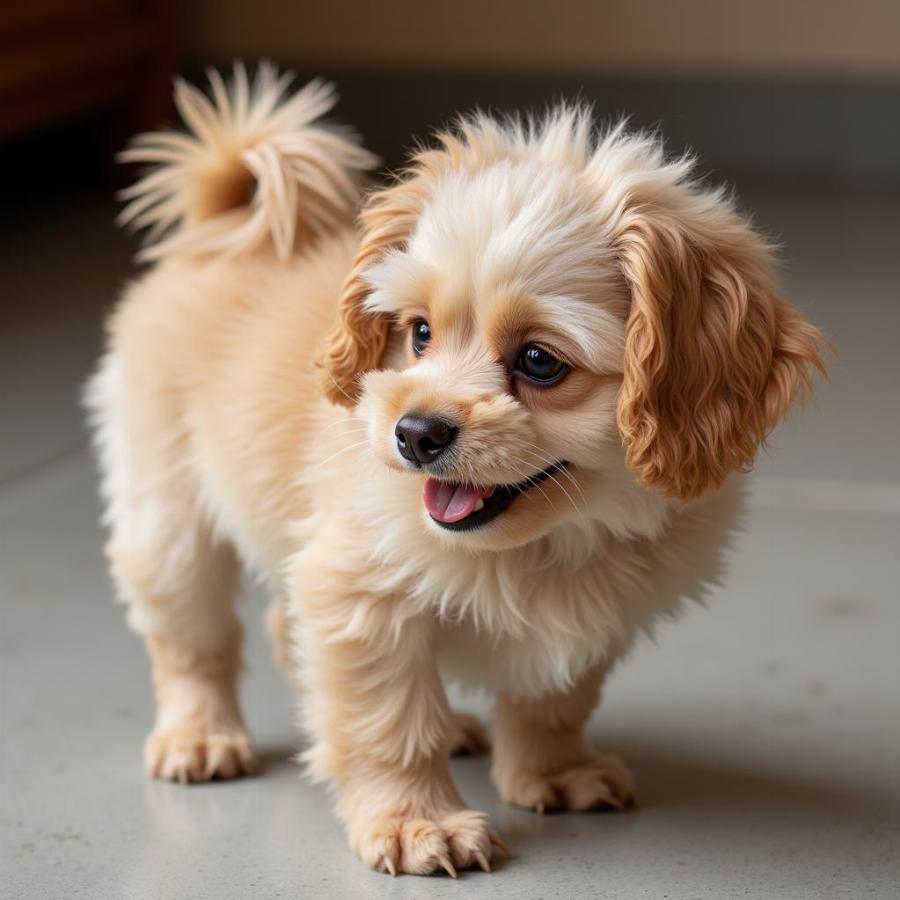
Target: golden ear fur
x=713 y=357
x=357 y=341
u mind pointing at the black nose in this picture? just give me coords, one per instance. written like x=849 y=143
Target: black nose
x=422 y=439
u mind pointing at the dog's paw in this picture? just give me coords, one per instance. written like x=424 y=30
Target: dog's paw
x=467 y=736
x=448 y=842
x=191 y=754
x=601 y=782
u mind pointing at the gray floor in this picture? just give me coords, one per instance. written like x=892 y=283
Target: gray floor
x=764 y=731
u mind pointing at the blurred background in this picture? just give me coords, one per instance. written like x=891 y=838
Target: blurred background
x=763 y=731
x=775 y=87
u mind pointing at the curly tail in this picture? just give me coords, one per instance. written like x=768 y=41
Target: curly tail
x=253 y=168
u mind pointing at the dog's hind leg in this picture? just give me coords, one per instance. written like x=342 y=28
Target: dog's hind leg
x=179 y=588
x=177 y=579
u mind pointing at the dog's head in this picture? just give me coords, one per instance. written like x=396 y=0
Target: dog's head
x=533 y=307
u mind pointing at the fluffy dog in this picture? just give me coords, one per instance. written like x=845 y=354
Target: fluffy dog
x=491 y=429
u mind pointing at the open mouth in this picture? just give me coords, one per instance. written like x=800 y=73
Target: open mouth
x=461 y=507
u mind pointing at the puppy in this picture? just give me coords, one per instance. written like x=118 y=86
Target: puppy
x=490 y=430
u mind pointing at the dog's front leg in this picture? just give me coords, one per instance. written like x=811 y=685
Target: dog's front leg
x=380 y=727
x=541 y=757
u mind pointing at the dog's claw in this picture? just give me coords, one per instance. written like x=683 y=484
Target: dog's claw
x=500 y=844
x=455 y=839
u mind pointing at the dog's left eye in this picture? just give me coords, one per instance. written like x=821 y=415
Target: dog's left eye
x=421 y=336
x=540 y=366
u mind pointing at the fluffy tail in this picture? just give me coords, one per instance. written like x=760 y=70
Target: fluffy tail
x=254 y=167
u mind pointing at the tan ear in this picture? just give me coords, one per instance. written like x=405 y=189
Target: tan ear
x=357 y=340
x=713 y=357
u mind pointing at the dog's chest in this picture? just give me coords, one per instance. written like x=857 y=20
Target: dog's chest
x=532 y=632
x=528 y=628
x=529 y=666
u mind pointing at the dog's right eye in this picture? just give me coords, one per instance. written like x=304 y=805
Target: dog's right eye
x=421 y=336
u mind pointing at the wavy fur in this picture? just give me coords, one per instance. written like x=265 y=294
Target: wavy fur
x=217 y=445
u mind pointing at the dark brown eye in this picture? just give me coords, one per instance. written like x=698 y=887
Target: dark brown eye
x=421 y=336
x=540 y=366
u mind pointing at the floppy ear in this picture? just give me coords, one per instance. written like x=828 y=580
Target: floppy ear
x=713 y=357
x=357 y=340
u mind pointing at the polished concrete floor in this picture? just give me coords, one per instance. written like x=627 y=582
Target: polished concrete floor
x=764 y=731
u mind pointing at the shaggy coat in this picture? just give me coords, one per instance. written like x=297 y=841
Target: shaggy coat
x=248 y=413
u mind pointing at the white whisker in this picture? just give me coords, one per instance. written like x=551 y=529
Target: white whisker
x=339 y=434
x=345 y=421
x=550 y=476
x=532 y=482
x=351 y=399
x=339 y=452
x=532 y=449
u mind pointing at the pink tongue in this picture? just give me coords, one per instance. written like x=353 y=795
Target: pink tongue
x=452 y=502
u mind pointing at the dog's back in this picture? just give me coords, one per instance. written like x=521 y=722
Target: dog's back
x=234 y=304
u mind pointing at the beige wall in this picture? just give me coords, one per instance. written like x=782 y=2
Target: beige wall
x=700 y=37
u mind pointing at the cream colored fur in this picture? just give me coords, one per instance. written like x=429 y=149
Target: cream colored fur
x=218 y=448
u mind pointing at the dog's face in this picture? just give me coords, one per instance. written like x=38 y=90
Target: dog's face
x=531 y=312
x=505 y=355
